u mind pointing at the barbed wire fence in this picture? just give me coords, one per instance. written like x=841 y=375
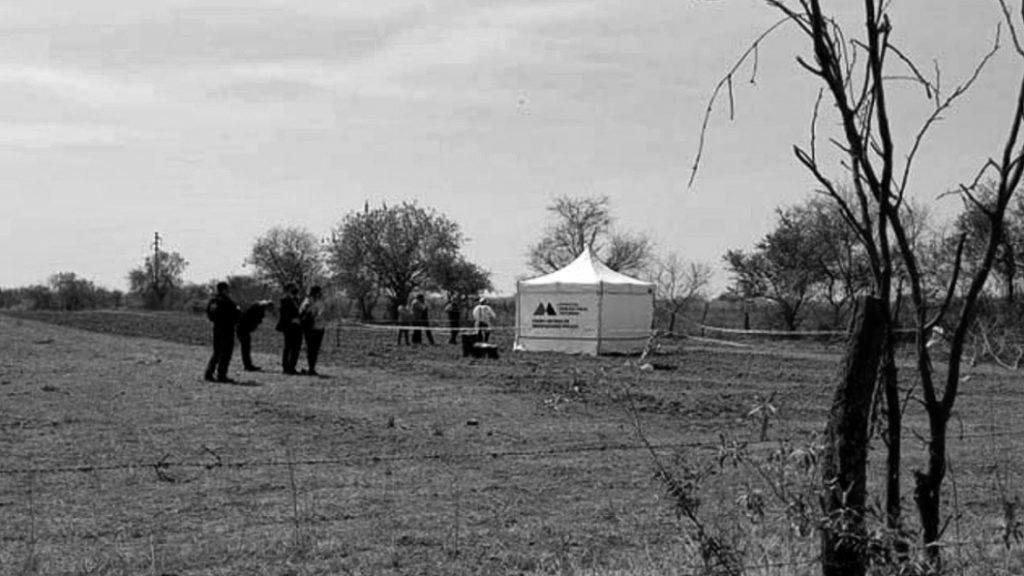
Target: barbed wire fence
x=139 y=515
x=145 y=512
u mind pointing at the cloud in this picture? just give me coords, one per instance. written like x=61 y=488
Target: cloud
x=432 y=57
x=39 y=135
x=79 y=86
x=419 y=59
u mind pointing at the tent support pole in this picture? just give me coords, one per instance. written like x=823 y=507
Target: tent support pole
x=519 y=312
x=600 y=315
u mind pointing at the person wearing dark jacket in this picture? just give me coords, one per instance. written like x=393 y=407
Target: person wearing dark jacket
x=311 y=316
x=420 y=320
x=250 y=320
x=223 y=312
x=288 y=324
x=454 y=312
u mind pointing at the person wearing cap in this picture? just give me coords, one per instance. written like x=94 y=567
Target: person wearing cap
x=250 y=320
x=483 y=319
x=223 y=312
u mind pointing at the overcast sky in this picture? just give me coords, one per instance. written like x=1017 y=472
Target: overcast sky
x=212 y=121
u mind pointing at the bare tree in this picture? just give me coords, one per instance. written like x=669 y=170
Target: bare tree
x=679 y=285
x=586 y=223
x=855 y=75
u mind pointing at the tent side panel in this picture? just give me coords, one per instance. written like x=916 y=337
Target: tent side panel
x=559 y=320
x=520 y=288
x=586 y=346
x=626 y=322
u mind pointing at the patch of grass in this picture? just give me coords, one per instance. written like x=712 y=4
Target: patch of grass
x=417 y=461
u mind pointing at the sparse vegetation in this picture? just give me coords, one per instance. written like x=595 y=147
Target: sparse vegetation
x=416 y=461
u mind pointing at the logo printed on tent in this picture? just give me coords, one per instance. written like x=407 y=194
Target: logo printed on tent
x=543 y=310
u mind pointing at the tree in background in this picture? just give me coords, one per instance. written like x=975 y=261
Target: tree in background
x=359 y=281
x=159 y=279
x=841 y=261
x=783 y=267
x=73 y=292
x=679 y=284
x=285 y=255
x=629 y=253
x=461 y=280
x=397 y=249
x=586 y=223
x=64 y=291
x=36 y=297
x=247 y=289
x=974 y=226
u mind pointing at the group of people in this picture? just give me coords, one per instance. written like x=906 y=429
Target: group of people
x=414 y=321
x=299 y=321
x=296 y=320
x=304 y=320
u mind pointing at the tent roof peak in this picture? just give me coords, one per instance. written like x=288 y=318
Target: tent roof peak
x=586 y=269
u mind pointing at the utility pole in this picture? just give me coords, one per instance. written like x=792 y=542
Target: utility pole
x=156 y=263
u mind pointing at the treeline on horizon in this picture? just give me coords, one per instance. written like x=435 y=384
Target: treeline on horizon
x=805 y=274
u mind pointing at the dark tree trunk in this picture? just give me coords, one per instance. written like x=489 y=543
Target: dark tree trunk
x=844 y=485
x=928 y=489
x=894 y=427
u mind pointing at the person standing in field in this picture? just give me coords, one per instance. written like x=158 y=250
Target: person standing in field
x=223 y=312
x=251 y=318
x=311 y=315
x=288 y=325
x=404 y=321
x=421 y=320
x=483 y=319
x=454 y=312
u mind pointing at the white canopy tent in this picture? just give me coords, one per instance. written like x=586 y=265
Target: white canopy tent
x=584 y=308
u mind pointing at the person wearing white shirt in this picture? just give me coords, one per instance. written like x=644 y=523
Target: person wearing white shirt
x=483 y=319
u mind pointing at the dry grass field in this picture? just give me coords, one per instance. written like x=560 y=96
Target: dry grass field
x=117 y=458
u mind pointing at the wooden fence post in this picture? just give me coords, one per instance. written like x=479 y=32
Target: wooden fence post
x=844 y=462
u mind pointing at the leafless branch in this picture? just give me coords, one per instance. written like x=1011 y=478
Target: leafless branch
x=814 y=127
x=969 y=198
x=916 y=75
x=940 y=107
x=951 y=288
x=726 y=82
x=1013 y=30
x=990 y=351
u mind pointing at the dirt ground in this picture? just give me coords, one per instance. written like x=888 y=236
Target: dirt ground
x=116 y=458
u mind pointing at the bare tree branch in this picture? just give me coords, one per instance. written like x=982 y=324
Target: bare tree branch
x=940 y=107
x=1013 y=31
x=951 y=288
x=726 y=81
